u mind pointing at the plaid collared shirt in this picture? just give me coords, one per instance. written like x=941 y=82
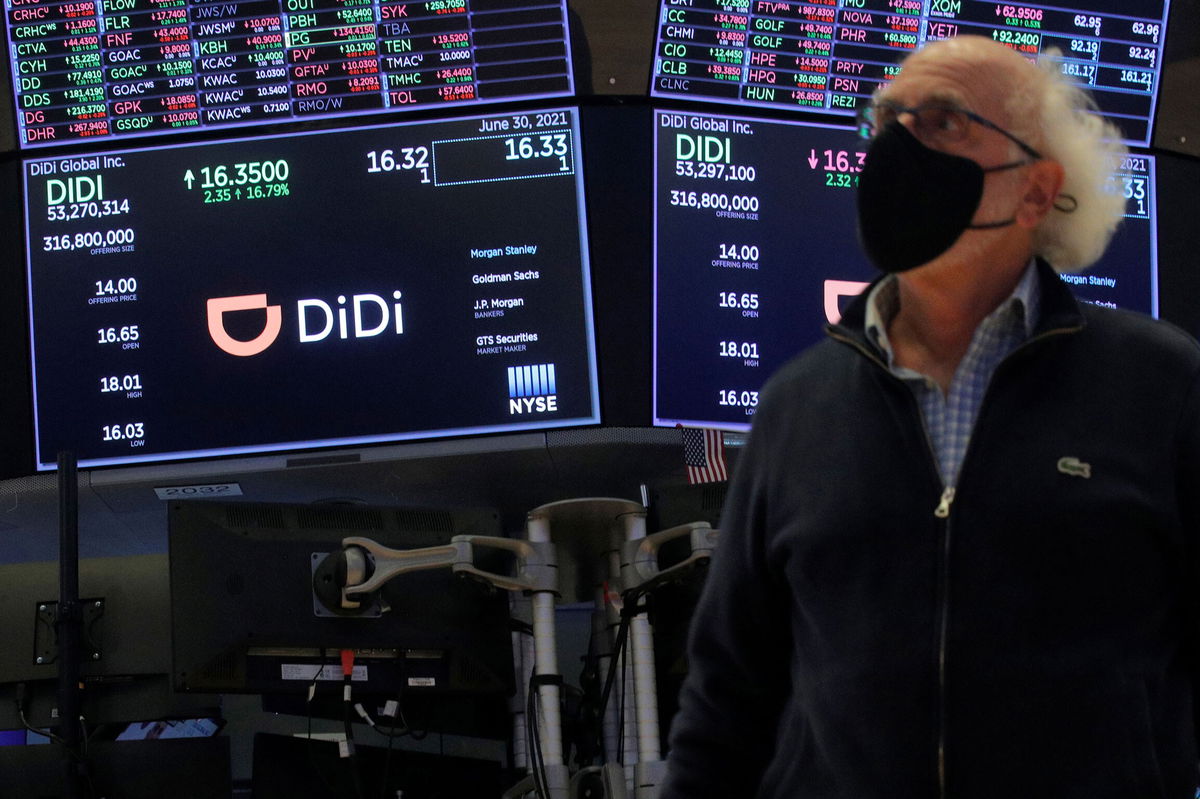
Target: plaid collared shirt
x=950 y=417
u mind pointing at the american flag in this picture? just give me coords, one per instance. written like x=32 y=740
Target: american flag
x=704 y=455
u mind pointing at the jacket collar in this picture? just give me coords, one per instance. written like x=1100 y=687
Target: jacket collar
x=1059 y=309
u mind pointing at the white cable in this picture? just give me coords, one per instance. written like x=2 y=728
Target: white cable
x=358 y=708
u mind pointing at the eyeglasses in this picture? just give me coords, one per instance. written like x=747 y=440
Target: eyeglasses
x=936 y=122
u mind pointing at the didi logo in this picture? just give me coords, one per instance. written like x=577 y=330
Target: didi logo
x=219 y=306
x=834 y=291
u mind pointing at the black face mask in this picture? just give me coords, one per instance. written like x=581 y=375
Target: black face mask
x=914 y=202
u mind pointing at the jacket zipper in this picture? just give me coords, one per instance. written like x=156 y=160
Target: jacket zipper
x=942 y=513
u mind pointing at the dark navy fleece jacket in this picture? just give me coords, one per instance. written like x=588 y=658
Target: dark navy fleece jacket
x=1035 y=641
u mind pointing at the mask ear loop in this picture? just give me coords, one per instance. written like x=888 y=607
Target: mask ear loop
x=1002 y=222
x=1069 y=207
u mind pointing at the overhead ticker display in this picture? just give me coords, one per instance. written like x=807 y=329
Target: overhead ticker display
x=830 y=55
x=385 y=283
x=756 y=250
x=113 y=69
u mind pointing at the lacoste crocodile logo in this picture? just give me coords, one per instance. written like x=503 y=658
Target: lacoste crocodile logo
x=1074 y=467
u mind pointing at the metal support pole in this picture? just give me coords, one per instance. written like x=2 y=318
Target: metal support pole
x=604 y=620
x=549 y=721
x=519 y=609
x=650 y=768
x=68 y=625
x=621 y=713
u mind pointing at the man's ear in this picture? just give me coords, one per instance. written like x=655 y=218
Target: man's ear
x=1045 y=181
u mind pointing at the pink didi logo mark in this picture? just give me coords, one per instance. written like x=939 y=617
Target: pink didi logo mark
x=834 y=291
x=219 y=306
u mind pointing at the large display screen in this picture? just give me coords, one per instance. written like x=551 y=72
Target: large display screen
x=756 y=250
x=830 y=55
x=378 y=284
x=113 y=69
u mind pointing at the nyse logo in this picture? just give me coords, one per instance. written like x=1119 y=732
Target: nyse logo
x=368 y=316
x=532 y=389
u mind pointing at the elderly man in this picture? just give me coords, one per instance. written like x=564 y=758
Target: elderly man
x=958 y=557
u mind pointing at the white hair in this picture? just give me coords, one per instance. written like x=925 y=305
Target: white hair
x=1062 y=118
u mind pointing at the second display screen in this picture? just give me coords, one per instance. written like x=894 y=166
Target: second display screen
x=756 y=250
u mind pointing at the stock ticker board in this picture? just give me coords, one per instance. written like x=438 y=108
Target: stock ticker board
x=113 y=69
x=756 y=250
x=412 y=280
x=828 y=56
